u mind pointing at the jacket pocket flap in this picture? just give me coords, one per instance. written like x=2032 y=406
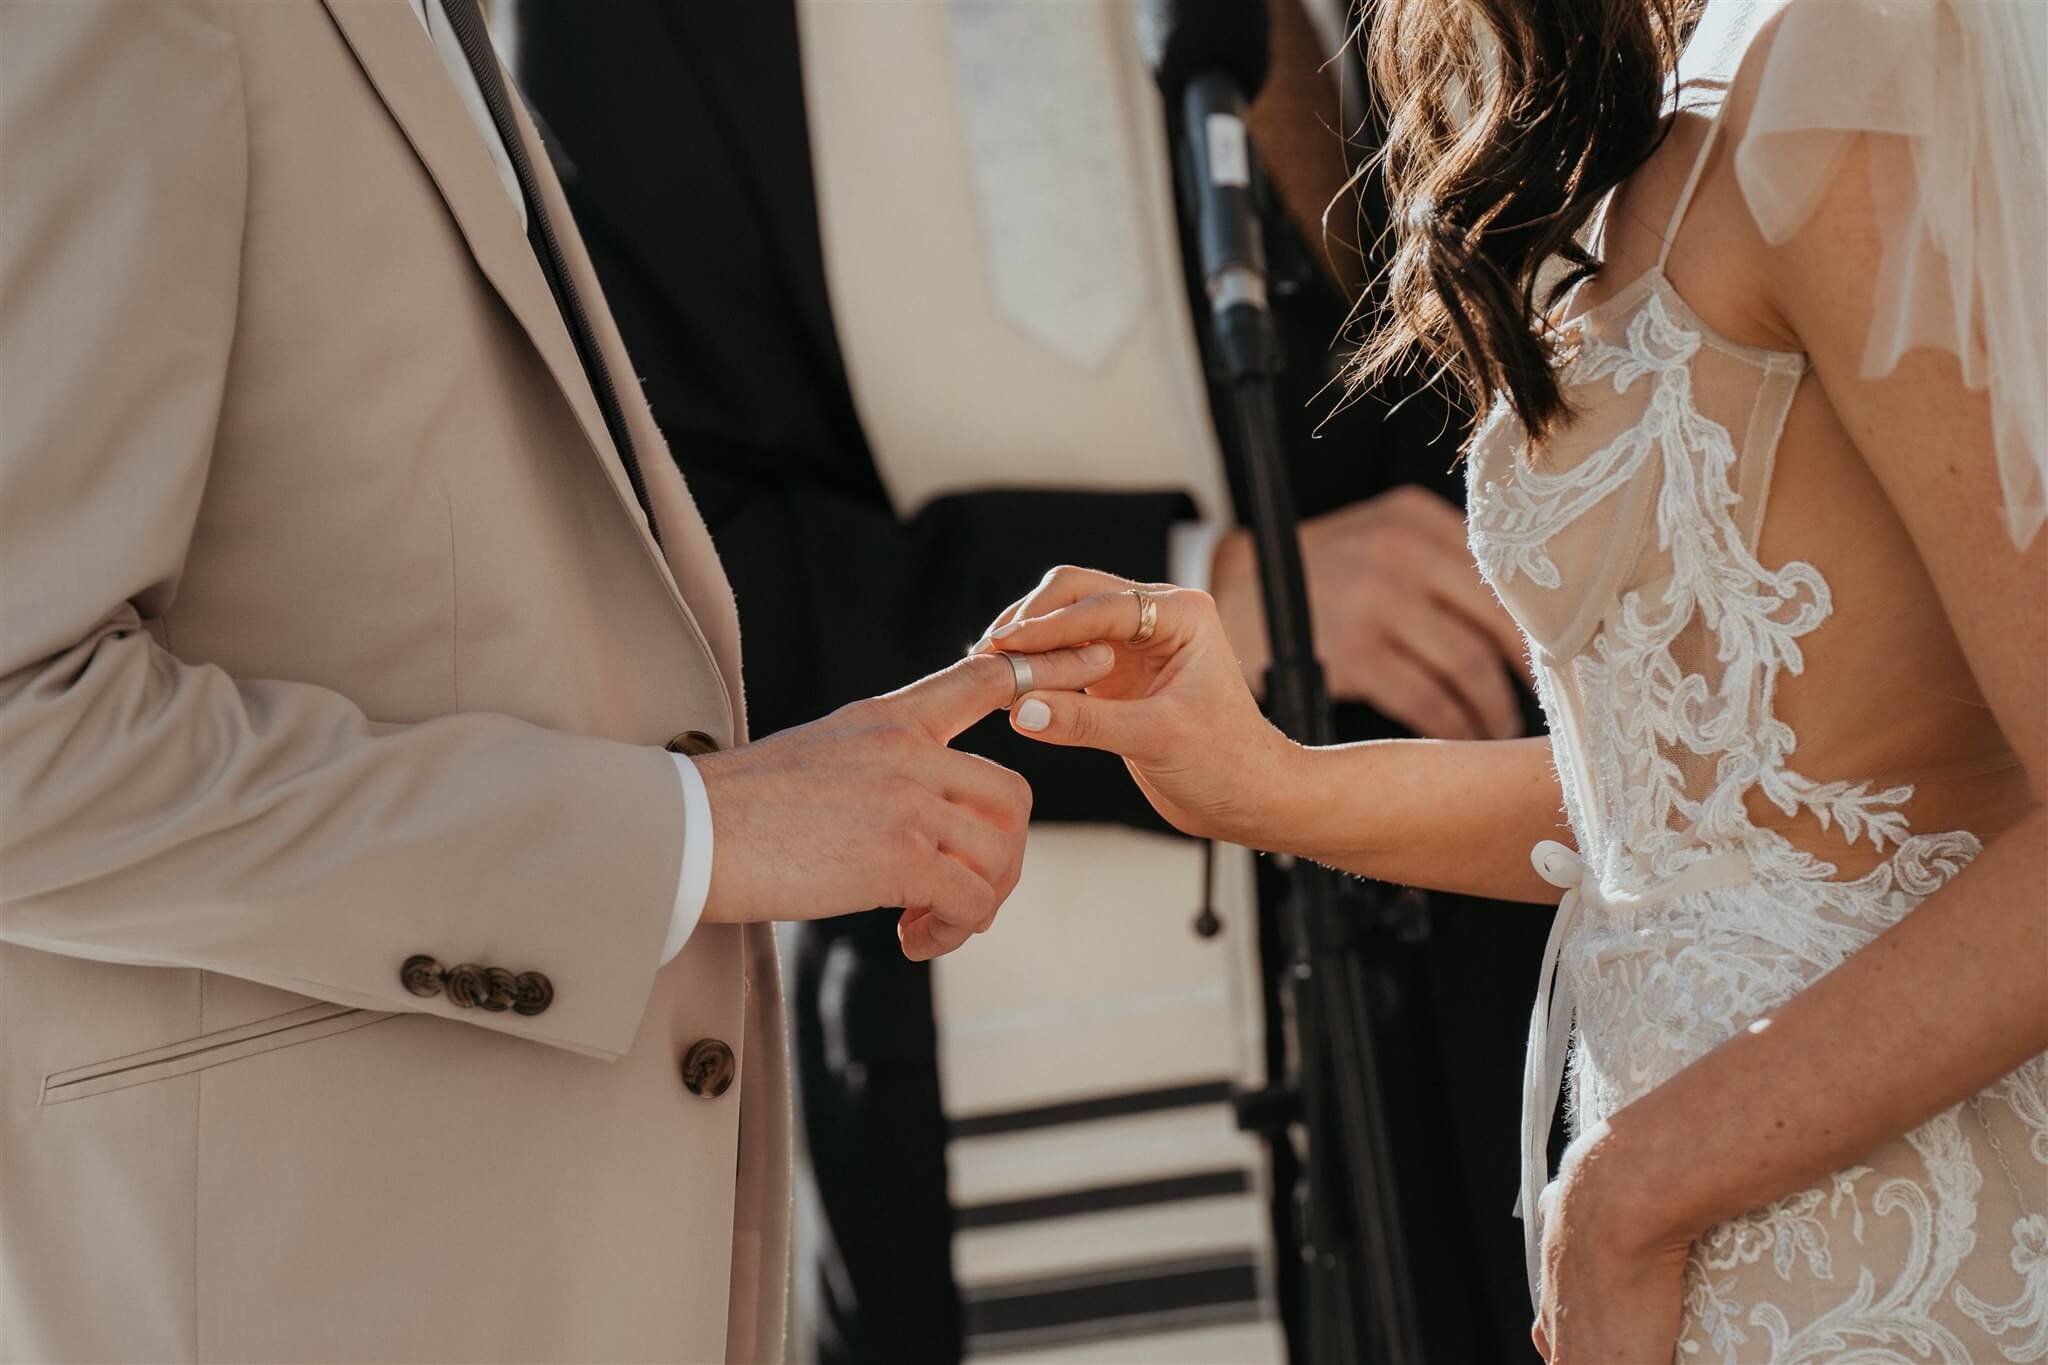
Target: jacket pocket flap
x=207 y=1050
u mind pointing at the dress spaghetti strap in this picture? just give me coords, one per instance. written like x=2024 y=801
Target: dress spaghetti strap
x=1692 y=184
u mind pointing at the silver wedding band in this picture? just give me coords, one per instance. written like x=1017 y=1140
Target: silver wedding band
x=1020 y=676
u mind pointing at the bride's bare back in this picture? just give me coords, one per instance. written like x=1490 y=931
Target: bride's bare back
x=1886 y=696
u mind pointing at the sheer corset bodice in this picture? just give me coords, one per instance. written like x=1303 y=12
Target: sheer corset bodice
x=1769 y=742
x=1788 y=689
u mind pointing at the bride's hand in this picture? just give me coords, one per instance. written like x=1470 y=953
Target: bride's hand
x=1175 y=707
x=1613 y=1269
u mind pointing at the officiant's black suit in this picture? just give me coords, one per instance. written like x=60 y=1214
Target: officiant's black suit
x=680 y=130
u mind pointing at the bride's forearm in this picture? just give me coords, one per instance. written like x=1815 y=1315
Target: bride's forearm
x=1446 y=815
x=1927 y=1014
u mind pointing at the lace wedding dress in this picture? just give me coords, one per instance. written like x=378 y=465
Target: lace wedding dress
x=1771 y=750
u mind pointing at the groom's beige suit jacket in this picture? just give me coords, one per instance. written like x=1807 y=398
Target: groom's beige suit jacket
x=331 y=635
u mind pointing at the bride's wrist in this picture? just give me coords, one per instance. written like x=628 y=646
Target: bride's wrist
x=1320 y=814
x=1278 y=796
x=1626 y=1190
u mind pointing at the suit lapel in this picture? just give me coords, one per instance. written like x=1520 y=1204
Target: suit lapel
x=400 y=62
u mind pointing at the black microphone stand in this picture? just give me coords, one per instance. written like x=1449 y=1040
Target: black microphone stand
x=1357 y=1295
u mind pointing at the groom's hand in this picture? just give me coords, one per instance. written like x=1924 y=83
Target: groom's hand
x=869 y=807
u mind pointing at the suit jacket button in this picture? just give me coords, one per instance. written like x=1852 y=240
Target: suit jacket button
x=708 y=1068
x=691 y=743
x=532 y=993
x=421 y=975
x=467 y=985
x=501 y=988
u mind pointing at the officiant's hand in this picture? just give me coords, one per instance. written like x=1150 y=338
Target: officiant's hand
x=1175 y=706
x=1403 y=621
x=869 y=807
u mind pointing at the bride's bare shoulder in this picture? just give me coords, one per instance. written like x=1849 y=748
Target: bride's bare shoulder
x=1717 y=254
x=1794 y=172
x=1717 y=258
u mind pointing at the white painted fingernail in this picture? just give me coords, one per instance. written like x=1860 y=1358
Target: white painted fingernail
x=1097 y=654
x=1005 y=632
x=1033 y=715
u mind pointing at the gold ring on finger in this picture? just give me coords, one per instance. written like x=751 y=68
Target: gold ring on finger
x=1148 y=616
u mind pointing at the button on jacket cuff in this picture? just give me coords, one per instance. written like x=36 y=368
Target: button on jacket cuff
x=693 y=884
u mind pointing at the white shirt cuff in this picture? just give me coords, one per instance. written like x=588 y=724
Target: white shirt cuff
x=1191 y=552
x=694 y=884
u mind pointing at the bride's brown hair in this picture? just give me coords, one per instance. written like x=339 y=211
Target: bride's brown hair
x=1506 y=121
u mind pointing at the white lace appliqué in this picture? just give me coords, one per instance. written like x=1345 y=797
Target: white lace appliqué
x=1664 y=726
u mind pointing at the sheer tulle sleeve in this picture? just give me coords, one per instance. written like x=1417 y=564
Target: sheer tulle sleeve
x=1965 y=229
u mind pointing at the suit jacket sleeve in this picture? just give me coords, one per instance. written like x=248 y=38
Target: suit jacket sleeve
x=154 y=810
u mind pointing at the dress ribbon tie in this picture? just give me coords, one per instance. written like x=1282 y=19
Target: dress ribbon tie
x=1550 y=1020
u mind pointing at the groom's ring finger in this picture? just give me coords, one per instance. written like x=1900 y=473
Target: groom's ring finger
x=1056 y=670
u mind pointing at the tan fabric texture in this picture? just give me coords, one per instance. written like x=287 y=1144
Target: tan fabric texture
x=331 y=633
